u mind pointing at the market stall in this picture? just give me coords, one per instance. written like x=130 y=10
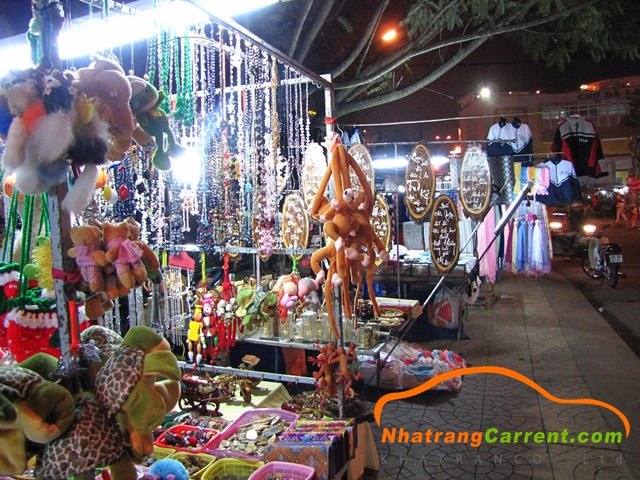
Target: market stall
x=201 y=160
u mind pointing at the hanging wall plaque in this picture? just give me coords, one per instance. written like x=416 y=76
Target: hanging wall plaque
x=475 y=183
x=295 y=223
x=380 y=221
x=444 y=237
x=420 y=184
x=363 y=158
x=315 y=164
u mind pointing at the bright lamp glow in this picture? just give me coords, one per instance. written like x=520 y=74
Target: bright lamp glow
x=17 y=57
x=438 y=160
x=142 y=20
x=589 y=228
x=389 y=163
x=485 y=92
x=186 y=169
x=390 y=35
x=555 y=225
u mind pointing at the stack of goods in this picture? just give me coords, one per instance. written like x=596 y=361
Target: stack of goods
x=411 y=365
x=325 y=445
x=249 y=435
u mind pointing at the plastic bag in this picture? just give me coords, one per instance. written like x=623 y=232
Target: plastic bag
x=444 y=309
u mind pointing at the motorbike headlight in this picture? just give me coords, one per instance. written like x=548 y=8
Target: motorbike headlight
x=555 y=225
x=589 y=228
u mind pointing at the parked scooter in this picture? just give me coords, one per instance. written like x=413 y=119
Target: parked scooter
x=603 y=257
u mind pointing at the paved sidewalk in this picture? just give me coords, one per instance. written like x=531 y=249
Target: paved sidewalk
x=546 y=330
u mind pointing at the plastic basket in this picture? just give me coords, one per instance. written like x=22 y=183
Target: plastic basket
x=240 y=469
x=209 y=459
x=248 y=417
x=283 y=470
x=183 y=429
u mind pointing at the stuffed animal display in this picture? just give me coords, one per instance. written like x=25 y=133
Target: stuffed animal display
x=111 y=261
x=348 y=225
x=33 y=411
x=113 y=426
x=145 y=105
x=51 y=125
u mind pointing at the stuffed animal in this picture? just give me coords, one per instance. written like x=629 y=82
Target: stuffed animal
x=88 y=254
x=33 y=411
x=167 y=469
x=106 y=84
x=149 y=258
x=287 y=290
x=50 y=127
x=114 y=428
x=124 y=254
x=308 y=291
x=145 y=105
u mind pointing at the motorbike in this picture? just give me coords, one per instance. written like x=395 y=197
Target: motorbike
x=603 y=258
x=567 y=237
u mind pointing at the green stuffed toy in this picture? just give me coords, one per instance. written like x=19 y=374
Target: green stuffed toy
x=145 y=105
x=33 y=411
x=114 y=428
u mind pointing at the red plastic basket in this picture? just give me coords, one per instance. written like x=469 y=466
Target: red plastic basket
x=284 y=471
x=183 y=429
x=247 y=417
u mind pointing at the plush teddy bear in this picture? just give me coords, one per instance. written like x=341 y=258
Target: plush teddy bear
x=149 y=258
x=124 y=254
x=145 y=105
x=88 y=254
x=33 y=411
x=106 y=84
x=114 y=428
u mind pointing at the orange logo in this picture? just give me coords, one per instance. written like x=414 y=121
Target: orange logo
x=377 y=411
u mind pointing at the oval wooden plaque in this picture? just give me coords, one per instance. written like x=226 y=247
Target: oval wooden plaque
x=315 y=164
x=475 y=183
x=380 y=221
x=295 y=223
x=444 y=236
x=361 y=155
x=420 y=183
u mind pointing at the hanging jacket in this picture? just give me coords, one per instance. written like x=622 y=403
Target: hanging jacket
x=564 y=187
x=579 y=143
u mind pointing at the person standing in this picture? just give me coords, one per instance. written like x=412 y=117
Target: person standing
x=621 y=208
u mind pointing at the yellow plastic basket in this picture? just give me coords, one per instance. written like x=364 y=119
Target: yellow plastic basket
x=197 y=475
x=241 y=469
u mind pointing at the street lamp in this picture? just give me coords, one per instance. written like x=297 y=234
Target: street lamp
x=390 y=35
x=485 y=92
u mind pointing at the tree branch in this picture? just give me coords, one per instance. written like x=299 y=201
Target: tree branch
x=458 y=40
x=299 y=25
x=303 y=51
x=413 y=88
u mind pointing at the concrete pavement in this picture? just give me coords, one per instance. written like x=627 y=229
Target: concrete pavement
x=546 y=330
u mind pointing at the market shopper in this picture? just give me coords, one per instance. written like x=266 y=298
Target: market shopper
x=621 y=208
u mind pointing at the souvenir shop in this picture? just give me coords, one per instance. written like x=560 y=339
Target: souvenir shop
x=190 y=279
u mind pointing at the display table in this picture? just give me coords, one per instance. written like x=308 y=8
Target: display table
x=273 y=394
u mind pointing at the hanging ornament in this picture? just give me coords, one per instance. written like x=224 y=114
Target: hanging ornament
x=106 y=192
x=102 y=178
x=123 y=192
x=420 y=182
x=113 y=199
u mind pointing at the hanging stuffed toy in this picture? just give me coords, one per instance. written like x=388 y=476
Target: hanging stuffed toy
x=50 y=127
x=145 y=105
x=105 y=84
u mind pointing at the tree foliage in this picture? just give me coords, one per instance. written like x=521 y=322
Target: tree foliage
x=342 y=37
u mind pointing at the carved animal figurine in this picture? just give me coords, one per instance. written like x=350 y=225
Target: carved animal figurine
x=344 y=373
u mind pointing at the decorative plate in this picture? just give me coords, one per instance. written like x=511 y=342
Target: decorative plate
x=295 y=223
x=381 y=222
x=420 y=184
x=444 y=237
x=475 y=183
x=314 y=168
x=363 y=158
